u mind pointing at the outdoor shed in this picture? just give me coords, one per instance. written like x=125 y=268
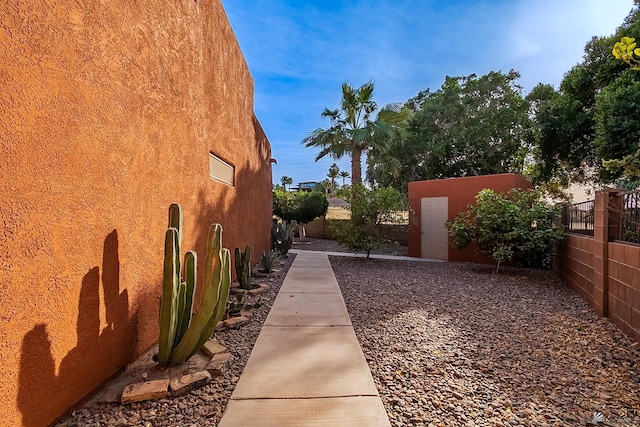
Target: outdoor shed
x=435 y=201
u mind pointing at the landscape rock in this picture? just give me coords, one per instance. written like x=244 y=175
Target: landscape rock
x=218 y=364
x=188 y=382
x=145 y=391
x=236 y=322
x=213 y=347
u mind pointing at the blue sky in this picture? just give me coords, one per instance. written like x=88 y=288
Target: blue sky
x=301 y=51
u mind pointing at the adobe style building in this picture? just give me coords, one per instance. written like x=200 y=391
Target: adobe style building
x=435 y=201
x=109 y=112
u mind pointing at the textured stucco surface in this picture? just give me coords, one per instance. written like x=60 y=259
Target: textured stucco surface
x=108 y=113
x=461 y=193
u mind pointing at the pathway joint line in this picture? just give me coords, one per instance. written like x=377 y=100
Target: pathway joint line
x=346 y=396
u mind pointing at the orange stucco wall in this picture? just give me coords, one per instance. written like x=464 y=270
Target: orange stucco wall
x=461 y=193
x=108 y=113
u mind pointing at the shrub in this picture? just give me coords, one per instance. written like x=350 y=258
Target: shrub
x=301 y=206
x=370 y=209
x=515 y=226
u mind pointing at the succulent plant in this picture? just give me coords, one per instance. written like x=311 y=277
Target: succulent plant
x=268 y=261
x=181 y=334
x=234 y=307
x=282 y=236
x=243 y=267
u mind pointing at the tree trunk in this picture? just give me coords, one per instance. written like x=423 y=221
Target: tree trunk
x=356 y=166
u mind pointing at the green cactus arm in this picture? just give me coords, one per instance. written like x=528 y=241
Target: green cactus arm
x=186 y=300
x=175 y=221
x=225 y=287
x=221 y=304
x=170 y=285
x=179 y=312
x=243 y=266
x=247 y=252
x=210 y=294
x=238 y=258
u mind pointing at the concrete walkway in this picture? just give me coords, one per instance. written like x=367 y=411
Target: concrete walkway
x=306 y=368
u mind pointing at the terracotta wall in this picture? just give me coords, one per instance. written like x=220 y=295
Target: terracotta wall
x=108 y=113
x=461 y=193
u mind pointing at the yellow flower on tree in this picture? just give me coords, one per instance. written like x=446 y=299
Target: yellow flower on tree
x=626 y=50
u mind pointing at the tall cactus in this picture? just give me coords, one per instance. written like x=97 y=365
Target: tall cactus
x=243 y=267
x=181 y=336
x=282 y=236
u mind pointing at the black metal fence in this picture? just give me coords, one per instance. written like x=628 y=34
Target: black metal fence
x=630 y=217
x=578 y=217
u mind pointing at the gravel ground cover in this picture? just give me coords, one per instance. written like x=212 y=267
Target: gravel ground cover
x=455 y=345
x=448 y=345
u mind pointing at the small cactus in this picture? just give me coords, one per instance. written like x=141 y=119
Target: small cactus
x=243 y=267
x=181 y=335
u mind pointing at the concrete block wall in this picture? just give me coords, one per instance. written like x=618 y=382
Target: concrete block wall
x=577 y=264
x=624 y=287
x=604 y=270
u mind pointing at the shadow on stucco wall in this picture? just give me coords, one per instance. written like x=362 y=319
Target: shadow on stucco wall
x=77 y=374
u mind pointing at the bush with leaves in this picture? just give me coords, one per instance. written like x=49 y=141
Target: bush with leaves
x=516 y=226
x=370 y=209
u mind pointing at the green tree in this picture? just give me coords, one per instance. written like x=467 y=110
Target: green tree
x=334 y=172
x=370 y=210
x=286 y=180
x=326 y=187
x=515 y=226
x=617 y=128
x=558 y=120
x=355 y=129
x=470 y=126
x=300 y=206
x=572 y=142
x=629 y=166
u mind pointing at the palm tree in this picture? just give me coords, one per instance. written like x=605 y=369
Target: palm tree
x=334 y=171
x=353 y=130
x=286 y=180
x=344 y=175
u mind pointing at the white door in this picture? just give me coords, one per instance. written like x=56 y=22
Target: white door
x=434 y=241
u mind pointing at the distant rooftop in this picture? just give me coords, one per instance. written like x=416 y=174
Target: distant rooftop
x=307 y=186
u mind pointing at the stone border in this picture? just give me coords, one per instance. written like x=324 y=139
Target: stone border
x=158 y=383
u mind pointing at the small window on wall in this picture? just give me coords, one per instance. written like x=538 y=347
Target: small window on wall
x=220 y=170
